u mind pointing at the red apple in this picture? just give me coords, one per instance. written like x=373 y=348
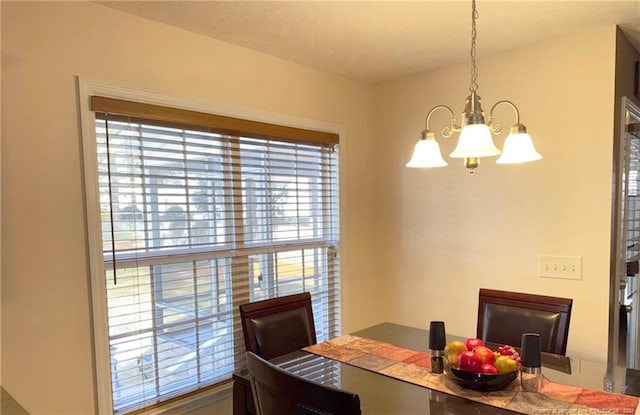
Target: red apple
x=486 y=355
x=488 y=368
x=472 y=343
x=469 y=362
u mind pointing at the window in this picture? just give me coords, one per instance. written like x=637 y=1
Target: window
x=200 y=213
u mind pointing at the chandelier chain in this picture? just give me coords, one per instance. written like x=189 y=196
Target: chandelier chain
x=474 y=69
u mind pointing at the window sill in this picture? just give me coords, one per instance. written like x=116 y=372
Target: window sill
x=194 y=402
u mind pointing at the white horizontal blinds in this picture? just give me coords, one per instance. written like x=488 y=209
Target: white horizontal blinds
x=288 y=201
x=632 y=204
x=282 y=192
x=168 y=187
x=170 y=308
x=201 y=222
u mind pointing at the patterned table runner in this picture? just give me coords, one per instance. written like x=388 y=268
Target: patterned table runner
x=415 y=367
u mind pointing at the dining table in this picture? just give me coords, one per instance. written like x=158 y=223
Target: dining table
x=574 y=385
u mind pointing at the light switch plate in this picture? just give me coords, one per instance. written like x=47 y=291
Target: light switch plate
x=564 y=267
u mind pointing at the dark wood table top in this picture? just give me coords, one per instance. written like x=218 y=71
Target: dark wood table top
x=381 y=395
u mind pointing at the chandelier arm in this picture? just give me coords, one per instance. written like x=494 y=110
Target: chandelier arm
x=511 y=104
x=447 y=130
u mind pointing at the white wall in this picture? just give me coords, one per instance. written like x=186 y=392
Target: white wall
x=46 y=311
x=445 y=234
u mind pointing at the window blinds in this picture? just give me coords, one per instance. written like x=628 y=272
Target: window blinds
x=197 y=218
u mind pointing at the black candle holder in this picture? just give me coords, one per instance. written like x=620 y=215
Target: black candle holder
x=531 y=372
x=530 y=352
x=437 y=343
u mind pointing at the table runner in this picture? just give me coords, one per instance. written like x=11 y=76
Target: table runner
x=415 y=367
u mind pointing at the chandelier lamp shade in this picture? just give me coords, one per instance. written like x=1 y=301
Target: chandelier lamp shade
x=476 y=138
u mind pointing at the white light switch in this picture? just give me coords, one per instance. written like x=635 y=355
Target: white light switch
x=565 y=267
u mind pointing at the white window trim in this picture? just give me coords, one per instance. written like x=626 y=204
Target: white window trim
x=86 y=88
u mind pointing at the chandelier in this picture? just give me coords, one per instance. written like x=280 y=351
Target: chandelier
x=475 y=136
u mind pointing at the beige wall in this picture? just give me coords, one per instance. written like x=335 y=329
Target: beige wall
x=444 y=234
x=417 y=244
x=46 y=314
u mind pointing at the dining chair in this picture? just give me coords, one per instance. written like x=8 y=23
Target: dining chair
x=503 y=316
x=278 y=326
x=271 y=328
x=278 y=392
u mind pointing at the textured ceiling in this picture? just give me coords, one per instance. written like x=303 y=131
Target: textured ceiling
x=383 y=40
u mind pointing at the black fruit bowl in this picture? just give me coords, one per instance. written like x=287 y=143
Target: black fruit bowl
x=480 y=381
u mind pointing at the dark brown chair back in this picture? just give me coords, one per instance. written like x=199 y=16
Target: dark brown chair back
x=278 y=326
x=503 y=317
x=278 y=392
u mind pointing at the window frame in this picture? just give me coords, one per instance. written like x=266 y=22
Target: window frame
x=86 y=88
